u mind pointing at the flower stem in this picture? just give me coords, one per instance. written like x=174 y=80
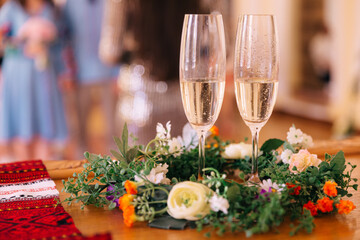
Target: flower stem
x=148 y=145
x=162 y=189
x=161 y=211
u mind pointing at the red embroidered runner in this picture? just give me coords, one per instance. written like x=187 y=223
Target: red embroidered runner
x=28 y=208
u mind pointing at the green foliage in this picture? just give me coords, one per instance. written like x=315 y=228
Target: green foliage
x=250 y=210
x=187 y=164
x=89 y=185
x=306 y=222
x=271 y=144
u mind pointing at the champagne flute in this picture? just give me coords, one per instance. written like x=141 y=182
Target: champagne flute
x=256 y=70
x=202 y=73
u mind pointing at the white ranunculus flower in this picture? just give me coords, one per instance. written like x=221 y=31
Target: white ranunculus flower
x=189 y=200
x=157 y=175
x=175 y=147
x=162 y=132
x=294 y=136
x=307 y=141
x=218 y=203
x=286 y=155
x=236 y=151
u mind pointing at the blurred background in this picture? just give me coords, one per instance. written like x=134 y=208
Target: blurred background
x=116 y=61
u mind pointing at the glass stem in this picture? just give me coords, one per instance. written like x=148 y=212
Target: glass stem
x=255 y=141
x=201 y=135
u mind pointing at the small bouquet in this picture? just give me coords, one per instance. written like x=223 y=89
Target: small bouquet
x=37 y=33
x=157 y=181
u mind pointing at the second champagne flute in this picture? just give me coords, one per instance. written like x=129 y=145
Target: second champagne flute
x=202 y=73
x=256 y=69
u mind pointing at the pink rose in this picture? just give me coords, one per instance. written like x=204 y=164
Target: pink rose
x=302 y=160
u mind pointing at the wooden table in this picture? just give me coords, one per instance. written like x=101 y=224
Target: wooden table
x=92 y=220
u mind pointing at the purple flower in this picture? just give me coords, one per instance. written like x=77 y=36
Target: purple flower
x=263 y=191
x=110 y=188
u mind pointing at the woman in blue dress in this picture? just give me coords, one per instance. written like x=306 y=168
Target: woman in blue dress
x=94 y=80
x=31 y=110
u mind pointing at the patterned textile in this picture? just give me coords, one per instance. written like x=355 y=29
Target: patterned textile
x=28 y=205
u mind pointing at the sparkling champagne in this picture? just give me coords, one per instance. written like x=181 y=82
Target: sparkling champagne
x=255 y=99
x=202 y=100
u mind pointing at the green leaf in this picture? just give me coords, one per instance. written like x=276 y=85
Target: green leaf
x=174 y=180
x=327 y=157
x=288 y=146
x=103 y=180
x=233 y=192
x=93 y=158
x=342 y=192
x=338 y=162
x=119 y=144
x=312 y=180
x=323 y=167
x=131 y=154
x=146 y=171
x=242 y=176
x=124 y=138
x=271 y=144
x=167 y=222
x=112 y=205
x=193 y=178
x=117 y=155
x=314 y=171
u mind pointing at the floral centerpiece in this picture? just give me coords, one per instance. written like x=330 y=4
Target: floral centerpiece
x=158 y=181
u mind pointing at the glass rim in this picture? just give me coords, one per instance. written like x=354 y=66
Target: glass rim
x=256 y=15
x=203 y=14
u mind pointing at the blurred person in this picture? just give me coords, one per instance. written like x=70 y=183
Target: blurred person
x=93 y=79
x=319 y=48
x=32 y=116
x=150 y=91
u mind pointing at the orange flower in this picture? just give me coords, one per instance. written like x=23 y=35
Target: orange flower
x=214 y=131
x=345 y=206
x=209 y=145
x=312 y=207
x=330 y=188
x=129 y=216
x=295 y=189
x=130 y=187
x=325 y=204
x=125 y=201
